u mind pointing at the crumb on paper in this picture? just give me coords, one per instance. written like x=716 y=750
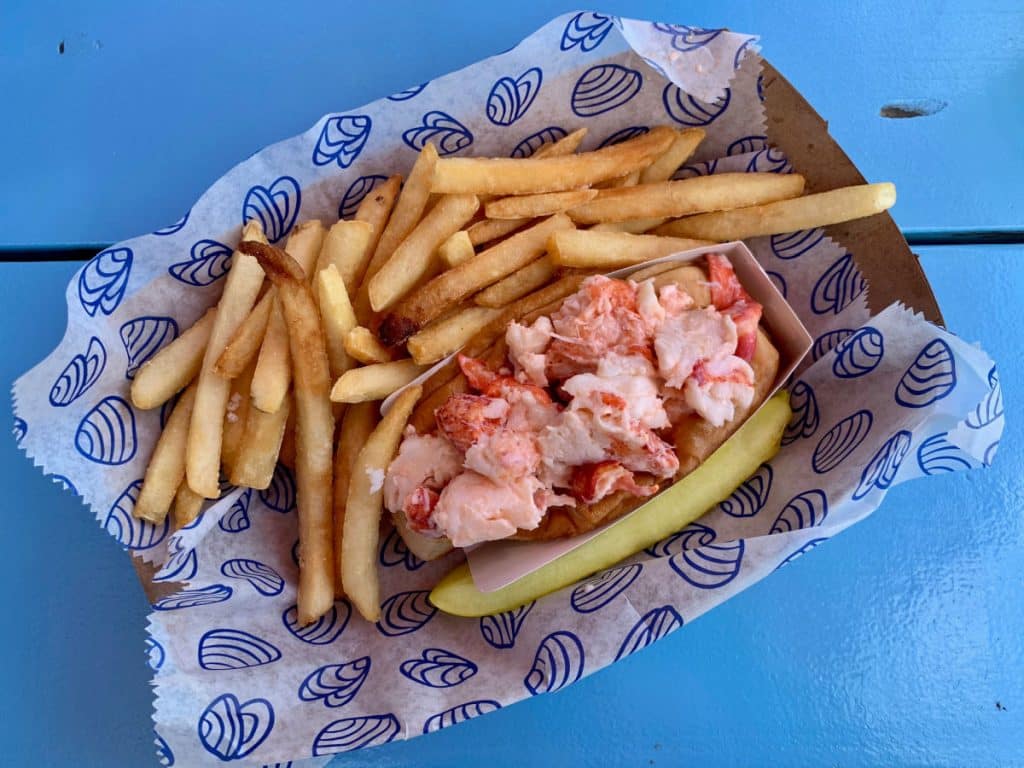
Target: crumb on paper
x=376 y=475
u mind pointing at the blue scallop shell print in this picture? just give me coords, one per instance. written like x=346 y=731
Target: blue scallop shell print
x=604 y=87
x=859 y=355
x=275 y=207
x=143 y=337
x=501 y=631
x=155 y=654
x=260 y=577
x=692 y=536
x=653 y=625
x=840 y=441
x=793 y=245
x=748 y=144
x=404 y=613
x=19 y=430
x=236 y=519
x=535 y=141
x=751 y=496
x=342 y=139
x=769 y=160
x=710 y=566
x=175 y=227
x=335 y=684
x=355 y=193
x=194 y=598
x=511 y=98
x=446 y=133
x=881 y=470
x=438 y=668
x=78 y=375
x=594 y=594
x=208 y=261
x=394 y=552
x=585 y=30
x=355 y=733
x=559 y=662
x=181 y=564
x=103 y=281
x=684 y=38
x=805 y=510
x=106 y=434
x=324 y=630
x=624 y=135
x=838 y=287
x=829 y=341
x=230 y=729
x=223 y=649
x=937 y=456
x=929 y=378
x=806 y=547
x=280 y=494
x=690 y=111
x=129 y=531
x=459 y=714
x=989 y=409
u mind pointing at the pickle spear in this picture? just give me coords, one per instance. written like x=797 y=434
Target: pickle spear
x=738 y=457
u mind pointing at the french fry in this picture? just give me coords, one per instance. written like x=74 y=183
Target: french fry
x=374 y=382
x=365 y=504
x=424 y=547
x=817 y=210
x=347 y=247
x=286 y=455
x=246 y=341
x=304 y=245
x=314 y=431
x=362 y=345
x=235 y=415
x=518 y=284
x=633 y=226
x=491 y=229
x=449 y=288
x=413 y=257
x=260 y=447
x=187 y=505
x=272 y=377
x=202 y=460
x=166 y=467
x=629 y=180
x=457 y=248
x=671 y=159
x=611 y=250
x=358 y=423
x=534 y=206
x=506 y=176
x=446 y=335
x=337 y=317
x=564 y=146
x=720 y=192
x=173 y=367
x=375 y=209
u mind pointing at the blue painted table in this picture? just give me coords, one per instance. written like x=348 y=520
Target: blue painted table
x=900 y=642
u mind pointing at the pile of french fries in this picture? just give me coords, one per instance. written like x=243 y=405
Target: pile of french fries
x=304 y=343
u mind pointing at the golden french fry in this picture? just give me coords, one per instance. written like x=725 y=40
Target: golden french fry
x=286 y=455
x=413 y=257
x=361 y=344
x=206 y=430
x=457 y=248
x=424 y=547
x=633 y=226
x=446 y=335
x=374 y=382
x=506 y=176
x=629 y=180
x=518 y=284
x=273 y=374
x=365 y=504
x=347 y=246
x=245 y=343
x=818 y=210
x=375 y=209
x=534 y=206
x=337 y=317
x=611 y=250
x=358 y=423
x=260 y=447
x=491 y=229
x=304 y=245
x=166 y=467
x=187 y=505
x=671 y=159
x=173 y=367
x=314 y=431
x=239 y=405
x=564 y=146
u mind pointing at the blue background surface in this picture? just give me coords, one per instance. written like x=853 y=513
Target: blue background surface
x=900 y=642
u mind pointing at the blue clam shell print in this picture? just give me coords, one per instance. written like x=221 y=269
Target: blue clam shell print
x=585 y=30
x=624 y=135
x=738 y=59
x=751 y=496
x=163 y=751
x=748 y=144
x=155 y=654
x=690 y=111
x=276 y=207
x=106 y=434
x=769 y=160
x=937 y=455
x=881 y=470
x=686 y=39
x=594 y=594
x=446 y=133
x=223 y=649
x=793 y=245
x=103 y=281
x=19 y=430
x=230 y=729
x=510 y=98
x=143 y=337
x=838 y=287
x=129 y=531
x=280 y=494
x=930 y=377
x=355 y=193
x=858 y=355
x=194 y=598
x=355 y=733
x=405 y=612
x=500 y=631
x=804 y=548
x=342 y=139
x=208 y=261
x=805 y=510
x=173 y=228
x=710 y=566
x=692 y=536
x=324 y=630
x=989 y=409
x=604 y=87
x=78 y=375
x=829 y=341
x=653 y=625
x=62 y=481
x=840 y=441
x=181 y=565
x=335 y=684
x=236 y=519
x=559 y=661
x=260 y=577
x=438 y=668
x=394 y=552
x=535 y=141
x=460 y=714
x=409 y=92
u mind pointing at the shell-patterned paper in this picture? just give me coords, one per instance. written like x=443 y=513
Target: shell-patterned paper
x=880 y=400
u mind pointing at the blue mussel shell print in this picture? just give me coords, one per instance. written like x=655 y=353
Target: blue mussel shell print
x=79 y=375
x=336 y=684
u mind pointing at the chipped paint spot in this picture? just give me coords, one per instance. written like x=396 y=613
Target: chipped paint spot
x=912 y=108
